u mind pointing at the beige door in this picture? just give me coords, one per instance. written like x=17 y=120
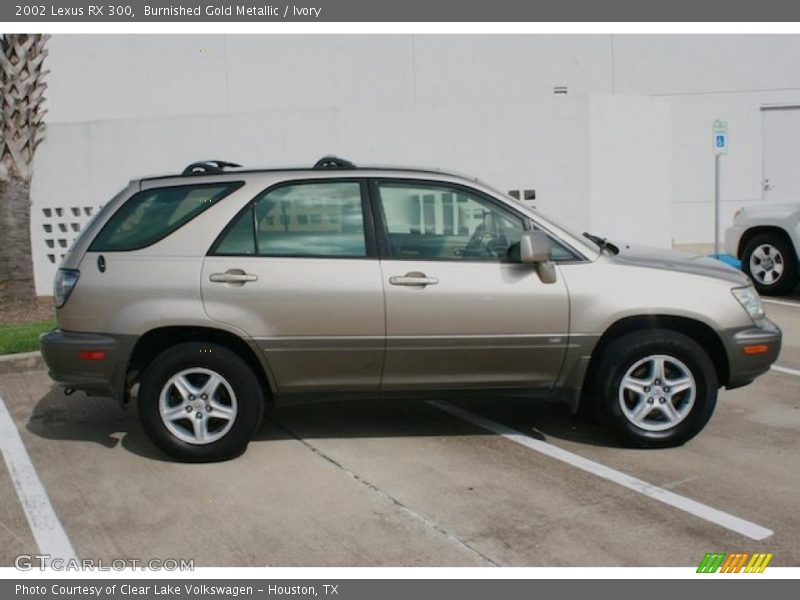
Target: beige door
x=295 y=271
x=458 y=313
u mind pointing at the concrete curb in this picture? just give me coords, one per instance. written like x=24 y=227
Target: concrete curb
x=25 y=361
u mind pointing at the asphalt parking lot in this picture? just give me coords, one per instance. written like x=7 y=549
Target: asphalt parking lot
x=416 y=484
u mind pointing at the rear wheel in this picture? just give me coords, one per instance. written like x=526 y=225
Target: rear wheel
x=200 y=402
x=771 y=264
x=655 y=388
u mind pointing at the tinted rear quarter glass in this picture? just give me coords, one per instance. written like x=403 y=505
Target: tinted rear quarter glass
x=151 y=215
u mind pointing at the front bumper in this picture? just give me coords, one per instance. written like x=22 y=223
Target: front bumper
x=63 y=350
x=732 y=236
x=744 y=365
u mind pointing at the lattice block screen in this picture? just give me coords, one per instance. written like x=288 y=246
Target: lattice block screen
x=59 y=227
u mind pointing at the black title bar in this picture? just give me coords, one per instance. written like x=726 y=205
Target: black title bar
x=400 y=10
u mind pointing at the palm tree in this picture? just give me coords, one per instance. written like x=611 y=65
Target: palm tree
x=22 y=89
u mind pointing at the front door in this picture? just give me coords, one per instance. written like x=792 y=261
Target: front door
x=297 y=271
x=459 y=313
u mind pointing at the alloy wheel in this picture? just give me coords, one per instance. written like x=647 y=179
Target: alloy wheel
x=657 y=392
x=198 y=406
x=766 y=264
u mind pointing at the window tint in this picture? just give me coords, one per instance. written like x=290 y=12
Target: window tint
x=239 y=238
x=152 y=215
x=443 y=223
x=560 y=253
x=305 y=219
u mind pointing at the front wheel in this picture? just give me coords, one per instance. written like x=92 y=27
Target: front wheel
x=771 y=264
x=655 y=388
x=200 y=402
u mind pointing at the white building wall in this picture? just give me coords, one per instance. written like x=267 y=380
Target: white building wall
x=631 y=138
x=630 y=169
x=708 y=77
x=97 y=78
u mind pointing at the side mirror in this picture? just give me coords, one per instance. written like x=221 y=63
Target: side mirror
x=534 y=249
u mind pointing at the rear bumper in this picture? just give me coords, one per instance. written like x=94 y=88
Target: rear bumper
x=745 y=366
x=102 y=377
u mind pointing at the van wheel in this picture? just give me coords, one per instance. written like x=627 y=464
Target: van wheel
x=771 y=264
x=200 y=402
x=655 y=388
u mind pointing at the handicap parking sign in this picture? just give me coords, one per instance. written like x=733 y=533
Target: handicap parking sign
x=720 y=137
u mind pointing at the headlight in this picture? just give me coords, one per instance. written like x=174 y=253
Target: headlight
x=64 y=284
x=750 y=301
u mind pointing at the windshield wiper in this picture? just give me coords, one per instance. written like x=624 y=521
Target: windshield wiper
x=603 y=243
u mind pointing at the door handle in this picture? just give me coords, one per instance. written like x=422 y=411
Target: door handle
x=232 y=276
x=414 y=278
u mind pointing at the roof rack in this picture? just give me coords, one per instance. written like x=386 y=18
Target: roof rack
x=218 y=167
x=333 y=162
x=208 y=167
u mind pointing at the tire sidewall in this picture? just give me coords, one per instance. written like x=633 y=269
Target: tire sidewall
x=623 y=353
x=240 y=377
x=787 y=280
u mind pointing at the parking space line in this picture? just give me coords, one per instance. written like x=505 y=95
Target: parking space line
x=45 y=526
x=703 y=511
x=786 y=370
x=781 y=302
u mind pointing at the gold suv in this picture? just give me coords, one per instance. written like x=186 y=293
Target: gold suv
x=213 y=291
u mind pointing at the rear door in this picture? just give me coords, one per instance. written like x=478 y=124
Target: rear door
x=459 y=312
x=297 y=270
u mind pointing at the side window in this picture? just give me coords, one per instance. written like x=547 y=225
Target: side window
x=304 y=219
x=431 y=222
x=240 y=238
x=151 y=215
x=559 y=253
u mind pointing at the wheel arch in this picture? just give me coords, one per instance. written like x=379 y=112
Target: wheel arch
x=757 y=230
x=698 y=331
x=155 y=341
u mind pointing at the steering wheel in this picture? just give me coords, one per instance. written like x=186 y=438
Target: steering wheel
x=475 y=245
x=479 y=246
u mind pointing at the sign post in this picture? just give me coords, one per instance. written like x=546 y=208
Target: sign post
x=720 y=145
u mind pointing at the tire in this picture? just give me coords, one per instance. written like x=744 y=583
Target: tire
x=200 y=425
x=781 y=276
x=615 y=402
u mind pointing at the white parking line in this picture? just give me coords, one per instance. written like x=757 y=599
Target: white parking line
x=45 y=526
x=781 y=302
x=786 y=370
x=723 y=519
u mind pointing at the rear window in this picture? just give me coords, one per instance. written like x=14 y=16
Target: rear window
x=151 y=215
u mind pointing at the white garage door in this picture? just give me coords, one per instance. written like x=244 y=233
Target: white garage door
x=782 y=155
